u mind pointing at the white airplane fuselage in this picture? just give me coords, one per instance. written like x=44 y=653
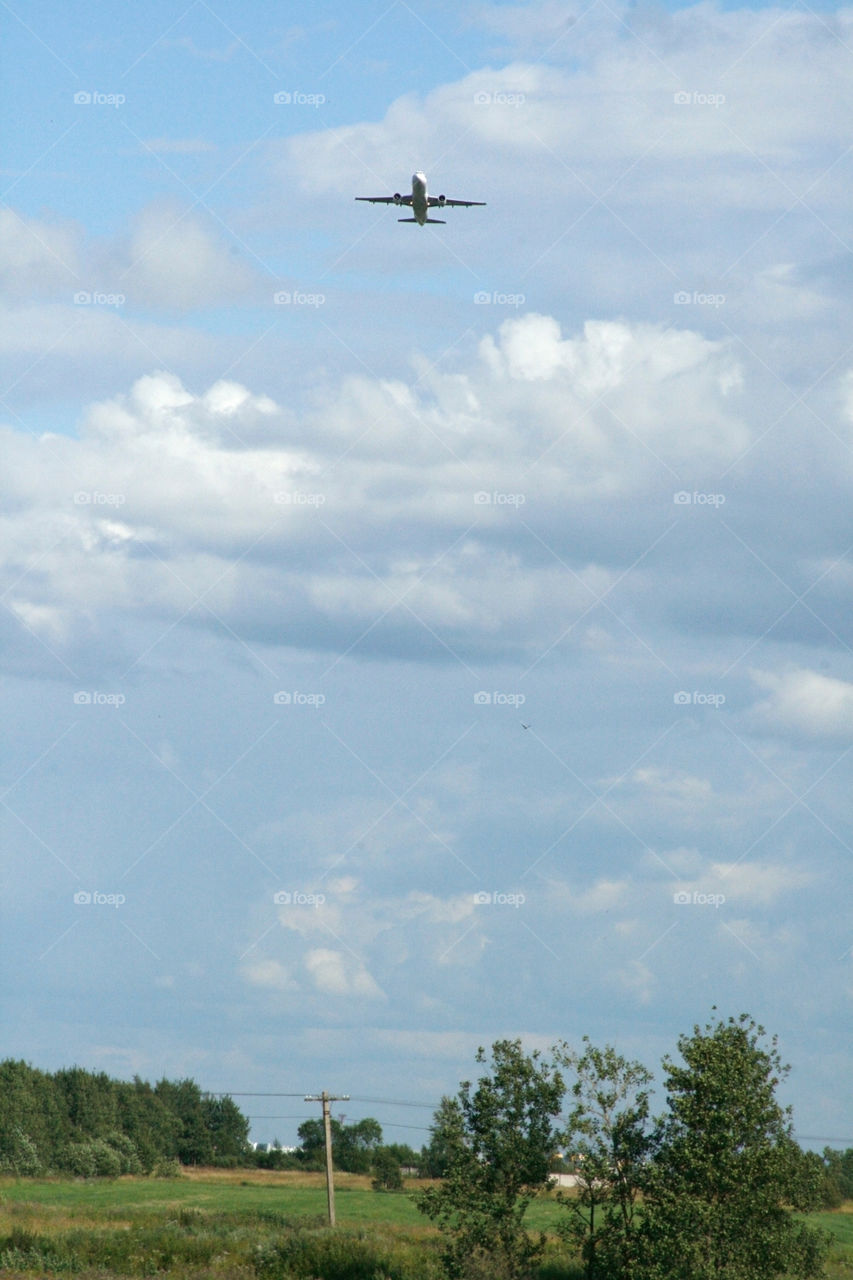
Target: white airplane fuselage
x=420 y=203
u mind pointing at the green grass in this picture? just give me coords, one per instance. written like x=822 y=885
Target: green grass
x=252 y=1226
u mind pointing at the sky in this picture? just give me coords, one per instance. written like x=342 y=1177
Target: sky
x=414 y=637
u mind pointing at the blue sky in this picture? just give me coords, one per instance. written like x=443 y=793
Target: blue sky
x=415 y=636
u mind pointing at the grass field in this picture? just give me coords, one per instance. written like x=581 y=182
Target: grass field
x=252 y=1225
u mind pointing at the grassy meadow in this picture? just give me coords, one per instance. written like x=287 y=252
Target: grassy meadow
x=252 y=1225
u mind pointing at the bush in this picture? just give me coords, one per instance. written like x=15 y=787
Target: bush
x=168 y=1167
x=19 y=1155
x=337 y=1255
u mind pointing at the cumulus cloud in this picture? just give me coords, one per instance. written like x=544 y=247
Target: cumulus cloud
x=338 y=974
x=168 y=487
x=805 y=703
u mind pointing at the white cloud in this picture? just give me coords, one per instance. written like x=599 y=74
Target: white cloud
x=175 y=260
x=805 y=703
x=337 y=974
x=269 y=973
x=37 y=257
x=758 y=883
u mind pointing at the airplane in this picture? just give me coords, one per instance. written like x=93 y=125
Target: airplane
x=419 y=202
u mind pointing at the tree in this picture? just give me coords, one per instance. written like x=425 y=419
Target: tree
x=727 y=1170
x=501 y=1137
x=609 y=1137
x=445 y=1137
x=356 y=1145
x=386 y=1171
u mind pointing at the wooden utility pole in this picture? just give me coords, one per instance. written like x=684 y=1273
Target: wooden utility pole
x=326 y=1098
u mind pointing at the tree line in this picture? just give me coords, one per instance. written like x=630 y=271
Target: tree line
x=86 y=1124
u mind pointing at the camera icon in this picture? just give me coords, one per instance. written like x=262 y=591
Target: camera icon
x=482 y=99
x=682 y=498
x=82 y=698
x=282 y=298
x=482 y=498
x=482 y=297
x=82 y=898
x=282 y=98
x=681 y=298
x=82 y=99
x=482 y=899
x=681 y=899
x=282 y=698
x=681 y=99
x=482 y=699
x=682 y=698
x=82 y=298
x=282 y=898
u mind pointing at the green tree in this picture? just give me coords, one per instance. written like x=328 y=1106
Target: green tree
x=356 y=1145
x=502 y=1138
x=386 y=1171
x=609 y=1137
x=227 y=1126
x=727 y=1171
x=445 y=1138
x=194 y=1144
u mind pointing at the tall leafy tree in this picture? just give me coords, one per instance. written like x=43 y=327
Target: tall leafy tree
x=445 y=1137
x=609 y=1135
x=727 y=1171
x=500 y=1157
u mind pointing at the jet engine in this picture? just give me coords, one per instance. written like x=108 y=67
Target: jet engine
x=441 y=200
x=398 y=199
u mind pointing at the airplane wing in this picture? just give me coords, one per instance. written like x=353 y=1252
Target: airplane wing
x=441 y=200
x=387 y=199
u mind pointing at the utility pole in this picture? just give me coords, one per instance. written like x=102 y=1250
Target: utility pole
x=326 y=1098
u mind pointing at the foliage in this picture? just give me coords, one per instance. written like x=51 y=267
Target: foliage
x=445 y=1136
x=609 y=1140
x=85 y=1123
x=727 y=1169
x=499 y=1136
x=336 y=1255
x=837 y=1182
x=386 y=1171
x=19 y=1154
x=353 y=1145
